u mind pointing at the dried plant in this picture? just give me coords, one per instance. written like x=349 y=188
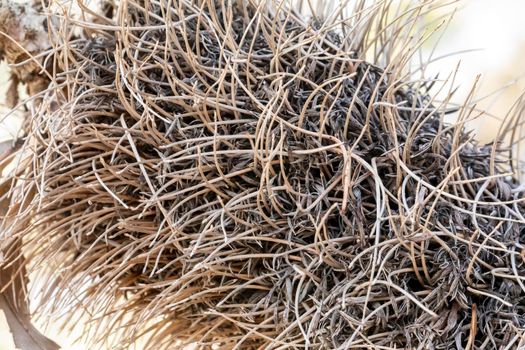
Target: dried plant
x=232 y=175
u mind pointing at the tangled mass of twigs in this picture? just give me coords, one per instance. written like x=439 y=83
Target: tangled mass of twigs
x=231 y=175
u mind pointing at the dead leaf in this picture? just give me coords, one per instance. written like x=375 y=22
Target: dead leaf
x=13 y=279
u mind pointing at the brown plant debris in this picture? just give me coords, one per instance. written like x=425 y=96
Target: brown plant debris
x=228 y=174
x=13 y=277
x=23 y=39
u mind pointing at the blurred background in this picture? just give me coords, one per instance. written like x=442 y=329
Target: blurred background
x=485 y=37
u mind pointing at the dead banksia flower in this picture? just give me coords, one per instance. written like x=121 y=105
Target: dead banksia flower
x=237 y=175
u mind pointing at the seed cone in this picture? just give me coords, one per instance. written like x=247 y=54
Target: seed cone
x=232 y=175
